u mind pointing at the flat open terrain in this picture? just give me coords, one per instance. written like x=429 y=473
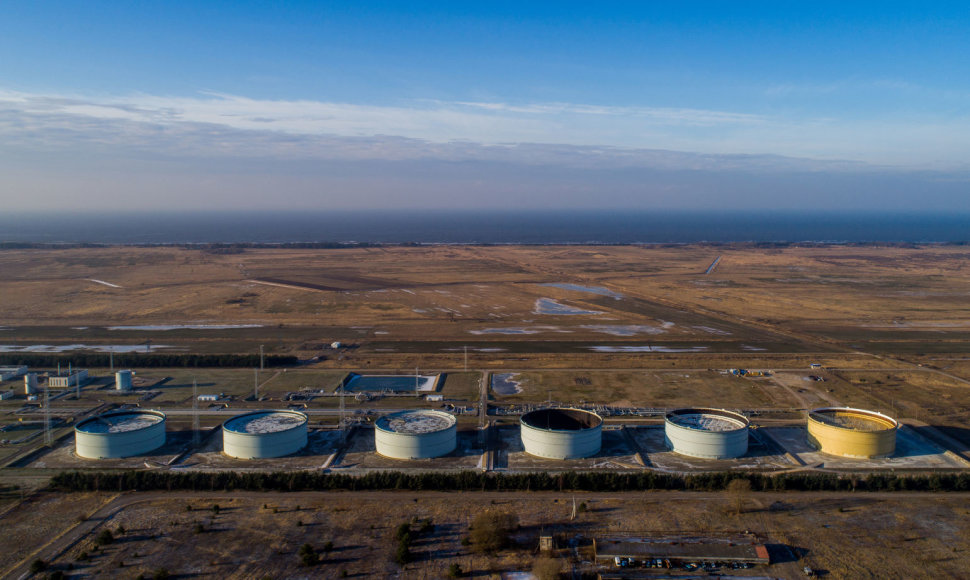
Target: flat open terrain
x=846 y=536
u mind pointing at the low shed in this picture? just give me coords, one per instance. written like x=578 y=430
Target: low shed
x=680 y=550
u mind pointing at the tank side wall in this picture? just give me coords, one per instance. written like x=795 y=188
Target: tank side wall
x=561 y=444
x=848 y=443
x=124 y=444
x=416 y=446
x=705 y=444
x=264 y=445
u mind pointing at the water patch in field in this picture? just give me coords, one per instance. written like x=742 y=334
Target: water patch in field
x=647 y=348
x=520 y=330
x=710 y=330
x=184 y=326
x=598 y=290
x=552 y=307
x=505 y=384
x=623 y=329
x=70 y=347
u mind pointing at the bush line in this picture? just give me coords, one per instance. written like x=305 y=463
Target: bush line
x=477 y=481
x=137 y=360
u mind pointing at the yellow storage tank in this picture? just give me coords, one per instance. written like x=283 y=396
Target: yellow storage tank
x=855 y=433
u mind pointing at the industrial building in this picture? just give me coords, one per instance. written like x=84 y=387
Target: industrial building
x=706 y=433
x=11 y=372
x=123 y=380
x=119 y=434
x=264 y=434
x=854 y=433
x=674 y=552
x=561 y=433
x=417 y=434
x=68 y=379
x=7 y=395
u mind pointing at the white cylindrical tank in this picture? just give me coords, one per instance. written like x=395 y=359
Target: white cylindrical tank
x=706 y=433
x=417 y=434
x=123 y=380
x=119 y=434
x=561 y=433
x=30 y=384
x=264 y=434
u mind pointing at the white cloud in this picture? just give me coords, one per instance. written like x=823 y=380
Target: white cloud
x=140 y=118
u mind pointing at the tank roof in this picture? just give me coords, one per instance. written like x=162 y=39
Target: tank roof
x=416 y=422
x=120 y=422
x=714 y=420
x=853 y=419
x=265 y=422
x=556 y=419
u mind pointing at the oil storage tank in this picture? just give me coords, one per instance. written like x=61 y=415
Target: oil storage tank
x=854 y=433
x=419 y=434
x=123 y=380
x=561 y=433
x=119 y=434
x=264 y=434
x=706 y=433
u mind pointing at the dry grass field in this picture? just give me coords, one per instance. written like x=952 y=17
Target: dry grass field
x=845 y=536
x=782 y=300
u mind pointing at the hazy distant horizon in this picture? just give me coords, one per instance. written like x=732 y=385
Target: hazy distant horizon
x=488 y=227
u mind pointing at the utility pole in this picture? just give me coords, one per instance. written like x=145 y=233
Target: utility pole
x=343 y=424
x=255 y=384
x=195 y=413
x=260 y=357
x=111 y=357
x=466 y=359
x=48 y=436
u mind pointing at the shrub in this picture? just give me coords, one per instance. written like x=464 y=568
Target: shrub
x=403 y=554
x=547 y=569
x=161 y=574
x=308 y=556
x=454 y=571
x=328 y=547
x=199 y=528
x=104 y=538
x=37 y=566
x=490 y=530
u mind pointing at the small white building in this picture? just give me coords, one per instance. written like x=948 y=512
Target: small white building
x=434 y=398
x=67 y=380
x=12 y=372
x=209 y=397
x=6 y=395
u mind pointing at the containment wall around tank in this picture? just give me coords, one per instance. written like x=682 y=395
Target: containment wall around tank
x=706 y=433
x=119 y=434
x=561 y=433
x=854 y=433
x=264 y=434
x=420 y=434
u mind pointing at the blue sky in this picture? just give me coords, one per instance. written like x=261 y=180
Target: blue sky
x=666 y=105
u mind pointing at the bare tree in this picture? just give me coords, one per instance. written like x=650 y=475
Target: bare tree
x=739 y=490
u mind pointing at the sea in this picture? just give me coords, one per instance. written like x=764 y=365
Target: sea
x=483 y=227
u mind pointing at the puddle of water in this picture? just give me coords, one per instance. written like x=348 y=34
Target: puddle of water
x=623 y=330
x=184 y=326
x=505 y=384
x=520 y=330
x=752 y=348
x=598 y=290
x=647 y=349
x=716 y=331
x=70 y=347
x=550 y=306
